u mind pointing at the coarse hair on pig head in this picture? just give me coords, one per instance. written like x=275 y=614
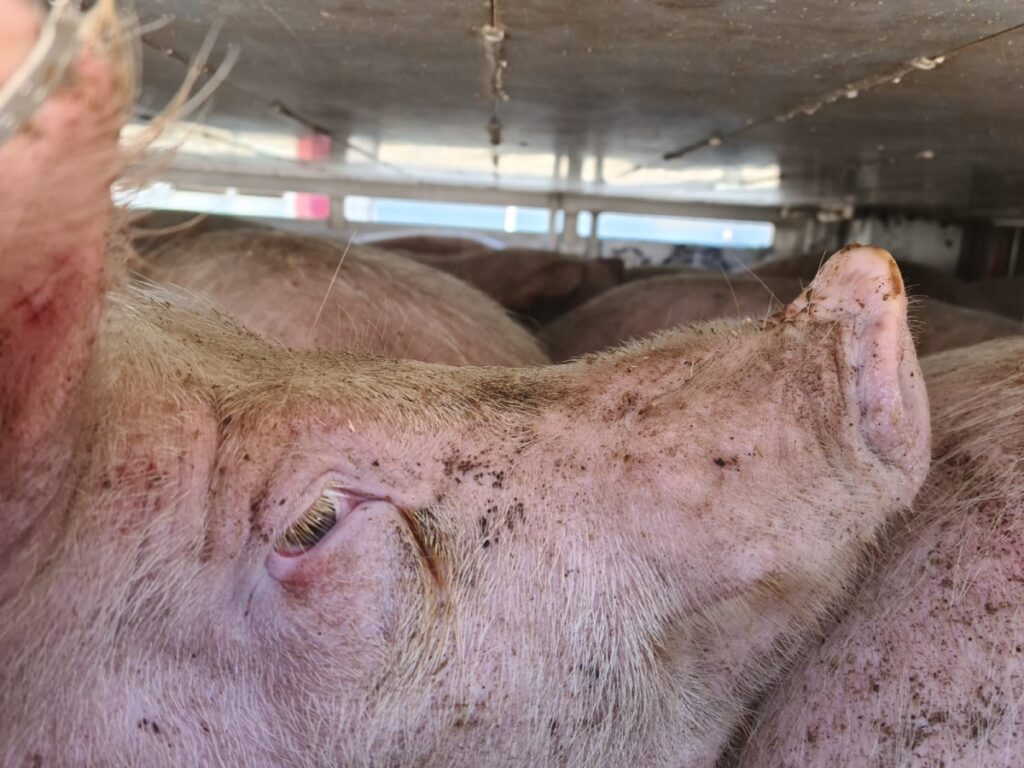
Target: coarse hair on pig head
x=220 y=551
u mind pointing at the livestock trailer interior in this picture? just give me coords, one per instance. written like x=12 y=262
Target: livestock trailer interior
x=719 y=131
x=500 y=383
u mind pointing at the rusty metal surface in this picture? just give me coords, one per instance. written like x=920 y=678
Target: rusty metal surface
x=914 y=104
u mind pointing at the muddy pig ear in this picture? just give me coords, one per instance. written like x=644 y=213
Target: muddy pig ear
x=860 y=288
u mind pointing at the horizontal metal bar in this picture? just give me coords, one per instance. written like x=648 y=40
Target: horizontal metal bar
x=259 y=178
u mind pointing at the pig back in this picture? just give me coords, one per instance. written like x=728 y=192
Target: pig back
x=430 y=246
x=155 y=231
x=940 y=326
x=308 y=292
x=538 y=285
x=920 y=279
x=661 y=270
x=1004 y=295
x=642 y=307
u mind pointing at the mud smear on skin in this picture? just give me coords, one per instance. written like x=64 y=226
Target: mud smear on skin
x=426 y=534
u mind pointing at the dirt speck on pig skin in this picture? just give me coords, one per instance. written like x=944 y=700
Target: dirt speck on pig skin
x=926 y=669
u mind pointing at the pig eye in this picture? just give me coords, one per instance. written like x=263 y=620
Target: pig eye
x=317 y=522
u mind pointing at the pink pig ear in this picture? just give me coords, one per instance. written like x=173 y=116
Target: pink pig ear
x=55 y=209
x=860 y=287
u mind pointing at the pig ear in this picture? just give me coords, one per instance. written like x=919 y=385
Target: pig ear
x=54 y=212
x=860 y=287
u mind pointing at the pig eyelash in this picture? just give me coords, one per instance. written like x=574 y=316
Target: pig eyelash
x=306 y=532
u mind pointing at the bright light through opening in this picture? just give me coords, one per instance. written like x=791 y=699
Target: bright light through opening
x=502 y=218
x=686 y=231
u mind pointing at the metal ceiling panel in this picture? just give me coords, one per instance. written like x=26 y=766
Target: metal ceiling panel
x=912 y=104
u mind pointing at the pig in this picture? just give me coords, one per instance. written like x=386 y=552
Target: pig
x=921 y=279
x=310 y=292
x=537 y=285
x=927 y=668
x=431 y=245
x=216 y=550
x=660 y=270
x=940 y=326
x=153 y=232
x=1004 y=295
x=640 y=308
